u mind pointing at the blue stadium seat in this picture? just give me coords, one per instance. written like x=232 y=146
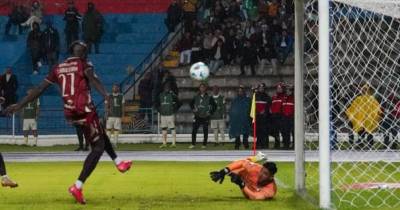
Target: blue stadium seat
x=127 y=40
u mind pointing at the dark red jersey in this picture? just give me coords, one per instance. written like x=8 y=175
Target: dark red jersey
x=74 y=86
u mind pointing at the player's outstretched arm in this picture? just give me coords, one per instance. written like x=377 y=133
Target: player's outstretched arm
x=33 y=94
x=94 y=80
x=218 y=176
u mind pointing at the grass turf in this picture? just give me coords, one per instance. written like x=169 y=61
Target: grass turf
x=150 y=185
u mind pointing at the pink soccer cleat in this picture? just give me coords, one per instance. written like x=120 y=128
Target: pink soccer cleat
x=77 y=194
x=124 y=166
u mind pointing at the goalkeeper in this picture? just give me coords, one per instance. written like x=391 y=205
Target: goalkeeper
x=255 y=180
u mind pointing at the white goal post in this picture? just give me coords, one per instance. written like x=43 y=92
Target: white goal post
x=347 y=88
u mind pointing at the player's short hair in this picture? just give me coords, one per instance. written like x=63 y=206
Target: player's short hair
x=271 y=166
x=72 y=45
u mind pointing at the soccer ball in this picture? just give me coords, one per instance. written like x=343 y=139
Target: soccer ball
x=199 y=71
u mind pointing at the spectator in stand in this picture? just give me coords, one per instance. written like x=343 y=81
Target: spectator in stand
x=71 y=18
x=168 y=78
x=36 y=15
x=217 y=57
x=115 y=113
x=189 y=11
x=174 y=16
x=194 y=28
x=266 y=50
x=51 y=45
x=203 y=106
x=248 y=58
x=239 y=118
x=157 y=77
x=92 y=27
x=263 y=104
x=249 y=29
x=276 y=28
x=16 y=17
x=365 y=115
x=167 y=105
x=284 y=46
x=288 y=118
x=217 y=36
x=145 y=94
x=229 y=47
x=185 y=49
x=263 y=8
x=218 y=118
x=9 y=85
x=277 y=114
x=238 y=46
x=391 y=122
x=30 y=115
x=273 y=8
x=35 y=46
x=197 y=50
x=207 y=44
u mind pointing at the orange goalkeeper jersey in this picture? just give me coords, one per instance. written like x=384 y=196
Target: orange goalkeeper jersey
x=249 y=172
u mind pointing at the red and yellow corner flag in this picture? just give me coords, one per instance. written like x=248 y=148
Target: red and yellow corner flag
x=253 y=108
x=253 y=116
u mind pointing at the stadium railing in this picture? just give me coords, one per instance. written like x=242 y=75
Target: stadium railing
x=151 y=60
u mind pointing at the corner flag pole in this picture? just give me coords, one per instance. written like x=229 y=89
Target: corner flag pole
x=253 y=116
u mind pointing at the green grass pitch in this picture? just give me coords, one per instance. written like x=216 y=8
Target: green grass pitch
x=175 y=185
x=149 y=185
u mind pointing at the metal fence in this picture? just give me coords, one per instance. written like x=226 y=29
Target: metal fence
x=53 y=122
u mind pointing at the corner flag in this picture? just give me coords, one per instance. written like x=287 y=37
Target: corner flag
x=253 y=108
x=253 y=116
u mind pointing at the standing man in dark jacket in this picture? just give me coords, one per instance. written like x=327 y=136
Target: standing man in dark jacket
x=9 y=85
x=239 y=118
x=288 y=117
x=174 y=16
x=16 y=17
x=263 y=103
x=92 y=26
x=203 y=106
x=71 y=18
x=34 y=44
x=277 y=113
x=51 y=45
x=145 y=94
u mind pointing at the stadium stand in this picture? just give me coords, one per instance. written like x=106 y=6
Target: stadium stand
x=132 y=29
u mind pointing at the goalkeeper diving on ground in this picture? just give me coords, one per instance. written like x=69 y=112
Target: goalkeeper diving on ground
x=254 y=175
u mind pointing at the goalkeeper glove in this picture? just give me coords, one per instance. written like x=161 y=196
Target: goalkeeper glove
x=219 y=175
x=237 y=180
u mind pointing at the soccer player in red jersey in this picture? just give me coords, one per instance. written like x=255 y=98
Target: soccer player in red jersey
x=74 y=77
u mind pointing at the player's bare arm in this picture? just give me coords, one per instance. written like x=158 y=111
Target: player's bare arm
x=94 y=80
x=33 y=94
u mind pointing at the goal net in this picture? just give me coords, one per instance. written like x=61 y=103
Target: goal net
x=364 y=55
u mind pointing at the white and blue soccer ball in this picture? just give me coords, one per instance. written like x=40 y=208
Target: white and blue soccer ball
x=199 y=71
